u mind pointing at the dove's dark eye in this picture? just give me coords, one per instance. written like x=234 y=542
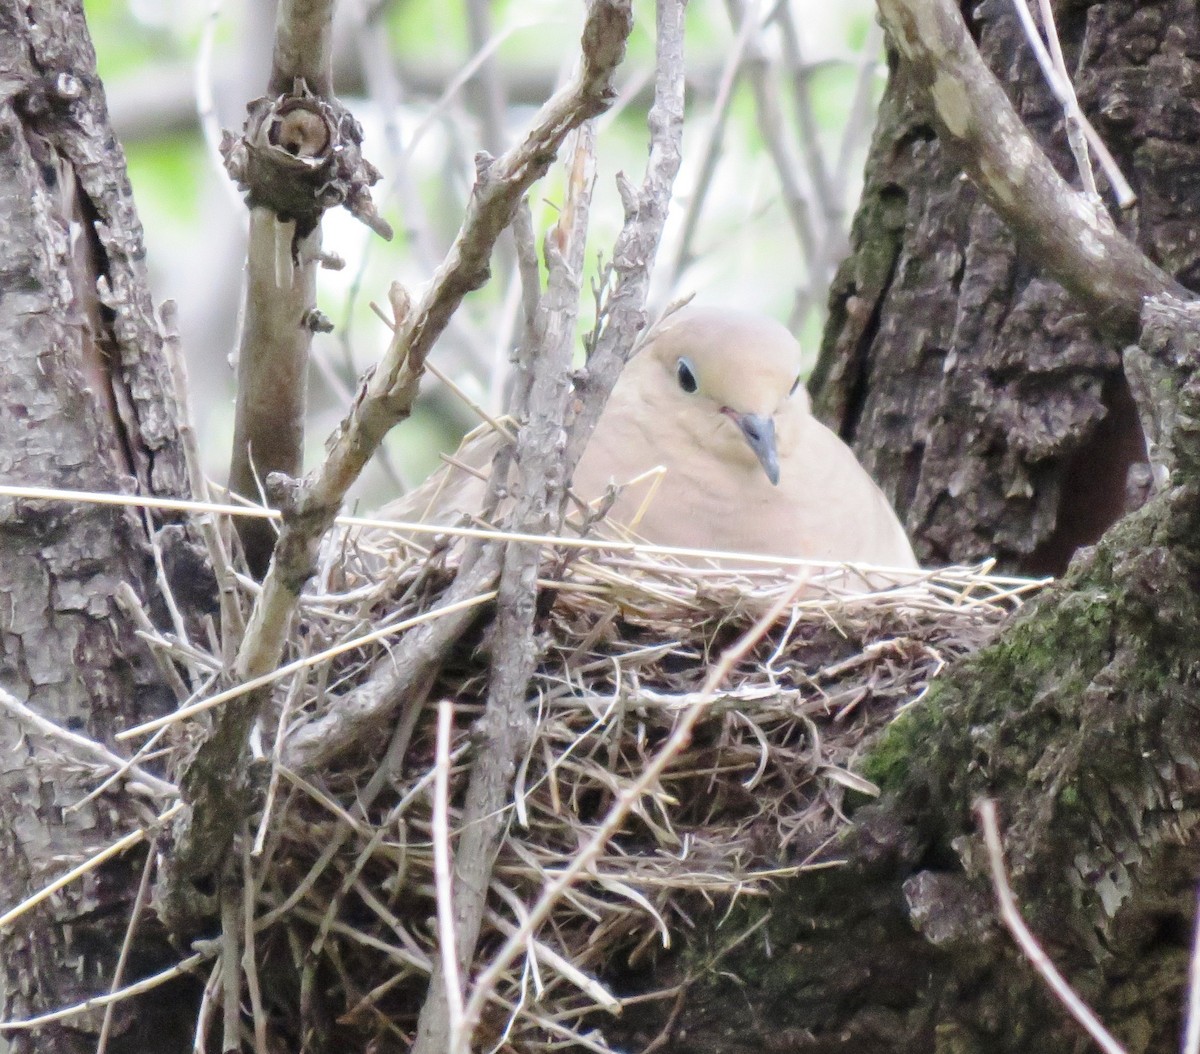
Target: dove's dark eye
x=686 y=375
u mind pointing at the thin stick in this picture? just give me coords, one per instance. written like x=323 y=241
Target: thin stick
x=861 y=114
x=232 y=623
x=165 y=591
x=442 y=875
x=145 y=751
x=231 y=976
x=139 y=904
x=353 y=644
x=1191 y=1037
x=281 y=728
x=413 y=527
x=1076 y=137
x=249 y=953
x=1038 y=959
x=483 y=534
x=131 y=605
x=85 y=748
x=205 y=1011
x=206 y=107
x=147 y=984
x=1060 y=84
x=496 y=423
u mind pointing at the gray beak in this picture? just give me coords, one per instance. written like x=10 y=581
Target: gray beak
x=760 y=434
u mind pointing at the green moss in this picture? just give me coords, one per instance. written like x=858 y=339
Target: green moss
x=888 y=764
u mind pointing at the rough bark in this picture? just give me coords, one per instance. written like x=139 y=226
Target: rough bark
x=972 y=386
x=84 y=403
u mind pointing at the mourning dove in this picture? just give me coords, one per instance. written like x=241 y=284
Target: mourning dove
x=711 y=423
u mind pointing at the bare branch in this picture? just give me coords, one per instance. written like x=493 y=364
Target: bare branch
x=1080 y=131
x=411 y=665
x=1028 y=944
x=146 y=984
x=232 y=624
x=542 y=473
x=1074 y=241
x=541 y=395
x=299 y=154
x=140 y=900
x=828 y=195
x=637 y=244
x=272 y=369
x=231 y=972
x=860 y=116
x=87 y=750
x=303 y=46
x=441 y=866
x=1054 y=68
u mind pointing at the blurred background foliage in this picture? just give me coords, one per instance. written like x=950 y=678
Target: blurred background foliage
x=781 y=100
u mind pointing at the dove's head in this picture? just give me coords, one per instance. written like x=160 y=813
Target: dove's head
x=729 y=379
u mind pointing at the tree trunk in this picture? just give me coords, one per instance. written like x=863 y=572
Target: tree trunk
x=969 y=383
x=85 y=404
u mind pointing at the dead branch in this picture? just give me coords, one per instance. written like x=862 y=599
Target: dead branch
x=299 y=154
x=1028 y=943
x=541 y=394
x=624 y=311
x=88 y=750
x=542 y=471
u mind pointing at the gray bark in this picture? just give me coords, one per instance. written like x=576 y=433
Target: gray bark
x=84 y=403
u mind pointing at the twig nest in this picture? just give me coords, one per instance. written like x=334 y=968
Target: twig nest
x=627 y=642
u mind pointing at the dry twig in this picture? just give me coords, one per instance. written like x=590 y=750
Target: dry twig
x=1080 y=131
x=1033 y=952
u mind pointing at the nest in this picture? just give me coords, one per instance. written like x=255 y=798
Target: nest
x=693 y=734
x=348 y=895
